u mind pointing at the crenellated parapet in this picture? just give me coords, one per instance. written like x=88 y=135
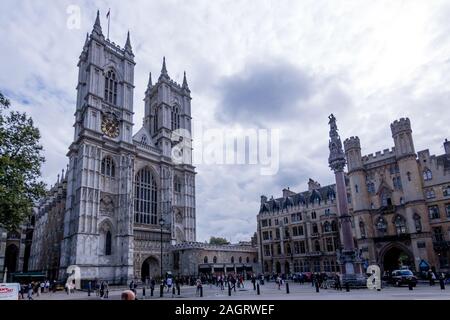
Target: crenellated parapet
x=402 y=134
x=379 y=156
x=206 y=246
x=352 y=143
x=403 y=125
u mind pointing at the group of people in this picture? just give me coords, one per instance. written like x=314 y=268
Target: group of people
x=36 y=288
x=101 y=288
x=432 y=277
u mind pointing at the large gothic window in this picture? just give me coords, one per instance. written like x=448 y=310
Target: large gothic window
x=334 y=226
x=417 y=222
x=317 y=245
x=111 y=87
x=177 y=184
x=145 y=197
x=108 y=243
x=327 y=227
x=400 y=224
x=108 y=168
x=381 y=225
x=371 y=187
x=155 y=120
x=362 y=229
x=175 y=118
x=427 y=175
x=386 y=199
x=315 y=230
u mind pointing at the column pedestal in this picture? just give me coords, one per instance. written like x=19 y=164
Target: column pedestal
x=351 y=269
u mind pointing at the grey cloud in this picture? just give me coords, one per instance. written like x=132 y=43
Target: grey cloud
x=280 y=93
x=263 y=93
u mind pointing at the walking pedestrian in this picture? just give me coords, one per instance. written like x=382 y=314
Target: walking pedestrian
x=30 y=291
x=152 y=286
x=89 y=288
x=337 y=281
x=431 y=277
x=199 y=286
x=106 y=290
x=102 y=289
x=169 y=283
x=278 y=281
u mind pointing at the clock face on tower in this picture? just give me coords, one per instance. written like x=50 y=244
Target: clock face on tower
x=110 y=127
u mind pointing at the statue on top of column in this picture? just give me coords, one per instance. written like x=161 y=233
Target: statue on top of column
x=336 y=160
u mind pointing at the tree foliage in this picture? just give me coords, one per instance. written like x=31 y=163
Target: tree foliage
x=20 y=166
x=218 y=241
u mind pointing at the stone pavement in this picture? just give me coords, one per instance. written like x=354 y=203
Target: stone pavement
x=270 y=291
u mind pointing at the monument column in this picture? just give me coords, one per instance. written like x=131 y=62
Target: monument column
x=348 y=258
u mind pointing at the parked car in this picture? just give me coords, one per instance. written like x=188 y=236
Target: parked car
x=402 y=277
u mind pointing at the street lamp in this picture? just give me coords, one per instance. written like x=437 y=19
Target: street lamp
x=161 y=223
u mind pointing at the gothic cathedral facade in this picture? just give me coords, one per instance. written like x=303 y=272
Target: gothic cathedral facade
x=127 y=195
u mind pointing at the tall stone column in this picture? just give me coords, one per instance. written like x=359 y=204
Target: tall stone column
x=349 y=256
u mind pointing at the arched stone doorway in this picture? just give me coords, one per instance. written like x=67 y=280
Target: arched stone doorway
x=286 y=268
x=11 y=256
x=150 y=268
x=396 y=256
x=278 y=267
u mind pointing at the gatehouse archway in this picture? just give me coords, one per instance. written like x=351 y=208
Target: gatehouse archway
x=396 y=256
x=11 y=258
x=150 y=268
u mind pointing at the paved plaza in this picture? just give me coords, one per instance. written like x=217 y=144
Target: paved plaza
x=270 y=291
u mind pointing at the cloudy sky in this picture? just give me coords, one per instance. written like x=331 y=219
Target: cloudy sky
x=251 y=64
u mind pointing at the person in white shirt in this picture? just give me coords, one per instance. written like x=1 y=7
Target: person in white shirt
x=169 y=284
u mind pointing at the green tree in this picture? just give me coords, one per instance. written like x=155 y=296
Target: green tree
x=20 y=166
x=218 y=240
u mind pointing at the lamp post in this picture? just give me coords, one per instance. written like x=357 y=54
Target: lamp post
x=161 y=223
x=161 y=287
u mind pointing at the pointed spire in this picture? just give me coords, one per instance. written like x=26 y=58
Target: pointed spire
x=128 y=43
x=164 y=69
x=185 y=84
x=62 y=175
x=97 y=26
x=150 y=84
x=87 y=39
x=57 y=180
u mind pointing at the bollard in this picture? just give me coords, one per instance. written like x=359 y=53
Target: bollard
x=173 y=291
x=287 y=287
x=178 y=290
x=442 y=283
x=317 y=286
x=161 y=290
x=143 y=292
x=410 y=286
x=258 y=292
x=151 y=291
x=254 y=285
x=201 y=291
x=229 y=291
x=347 y=286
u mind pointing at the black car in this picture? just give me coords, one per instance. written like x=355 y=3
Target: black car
x=402 y=277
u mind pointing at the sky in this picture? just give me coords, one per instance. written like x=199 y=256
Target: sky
x=251 y=64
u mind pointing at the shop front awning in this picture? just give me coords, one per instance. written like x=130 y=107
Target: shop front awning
x=29 y=275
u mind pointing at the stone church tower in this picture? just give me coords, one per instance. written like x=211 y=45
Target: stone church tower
x=121 y=187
